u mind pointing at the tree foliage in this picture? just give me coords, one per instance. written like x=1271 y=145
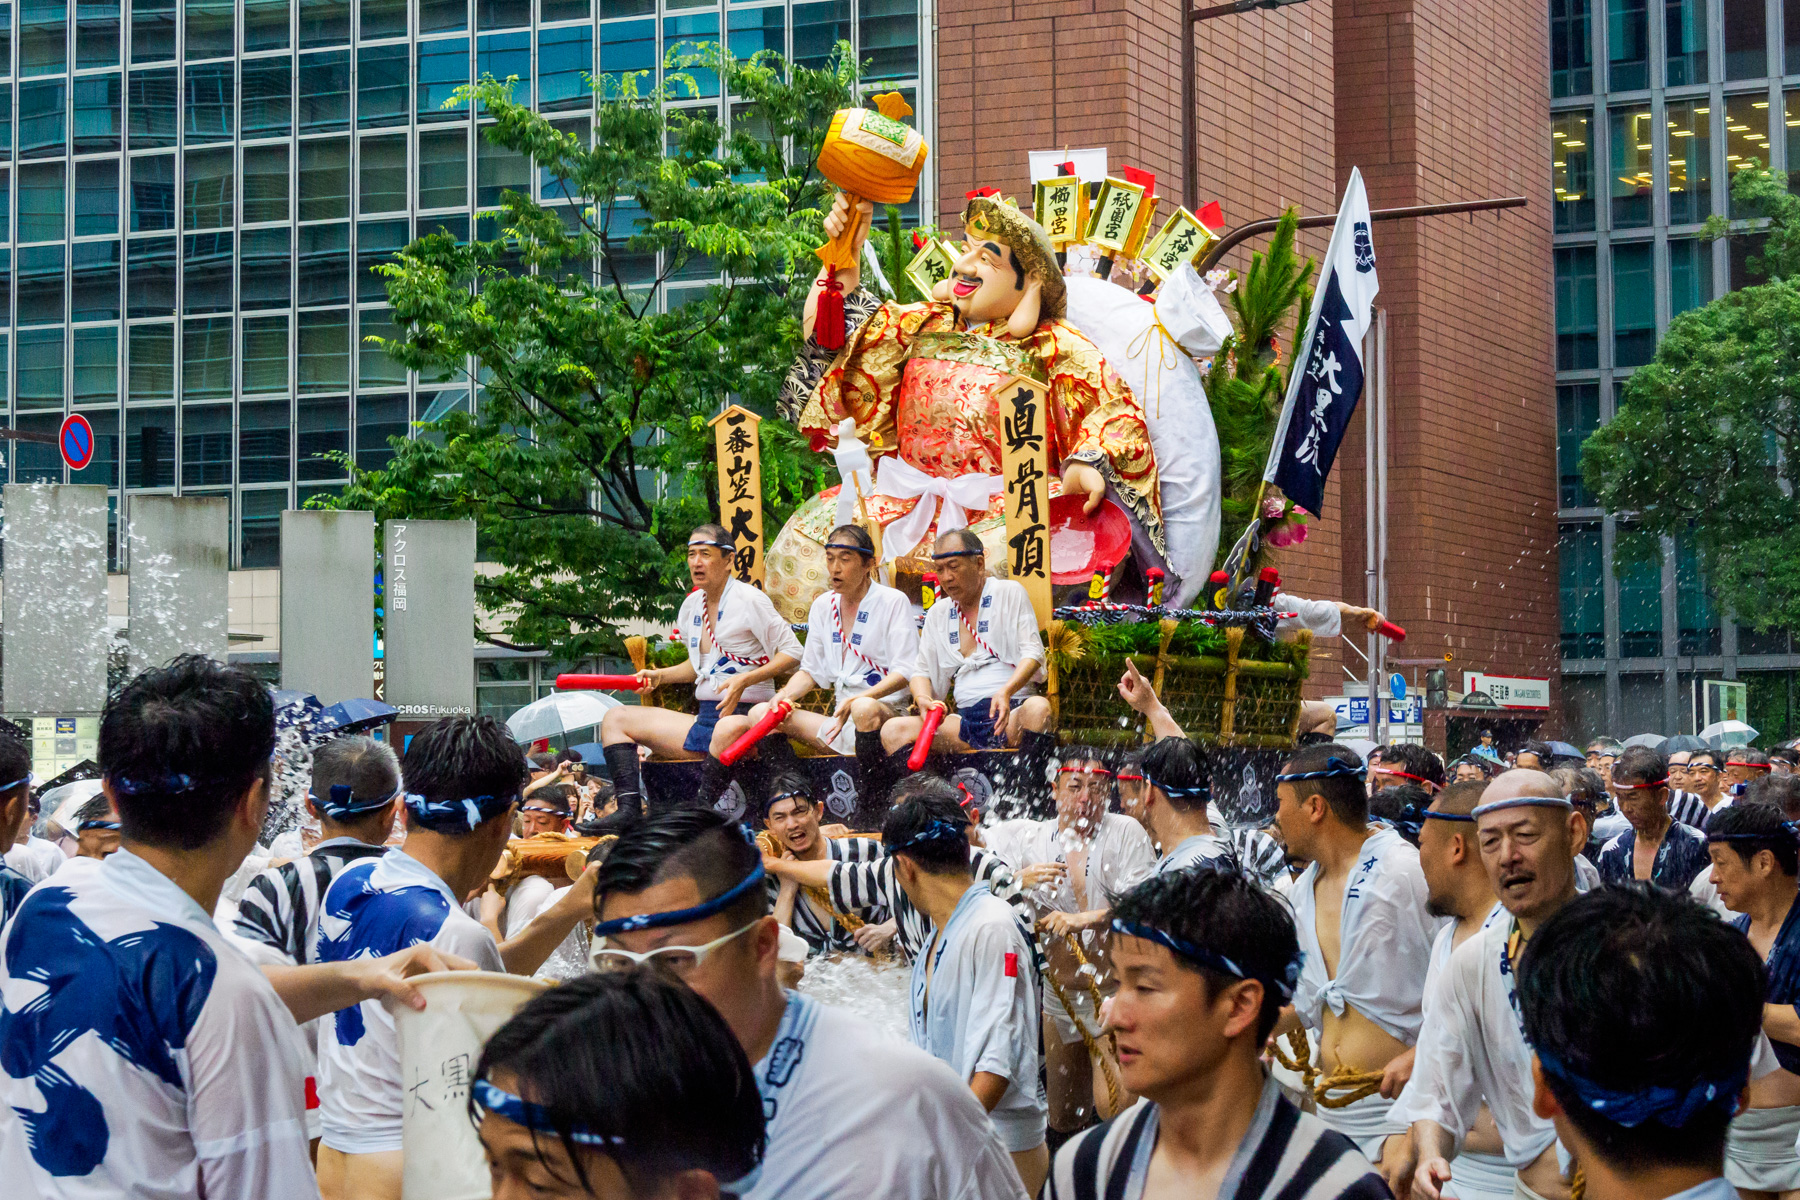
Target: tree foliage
x=588 y=456
x=1704 y=441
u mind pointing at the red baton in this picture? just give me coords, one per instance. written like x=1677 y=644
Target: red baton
x=778 y=712
x=922 y=747
x=597 y=683
x=1391 y=631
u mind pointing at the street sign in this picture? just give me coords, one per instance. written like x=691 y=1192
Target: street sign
x=1507 y=691
x=1397 y=686
x=76 y=441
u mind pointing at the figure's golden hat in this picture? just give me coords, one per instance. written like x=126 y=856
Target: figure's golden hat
x=990 y=217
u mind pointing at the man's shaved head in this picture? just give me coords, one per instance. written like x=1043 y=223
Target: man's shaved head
x=1459 y=798
x=1521 y=781
x=1529 y=850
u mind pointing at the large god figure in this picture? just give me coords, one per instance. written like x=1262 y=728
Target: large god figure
x=919 y=380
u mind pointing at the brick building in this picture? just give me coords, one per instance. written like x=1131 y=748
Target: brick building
x=1435 y=102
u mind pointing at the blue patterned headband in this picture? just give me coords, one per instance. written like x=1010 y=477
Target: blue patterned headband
x=934 y=831
x=458 y=816
x=97 y=823
x=1563 y=802
x=168 y=785
x=1790 y=831
x=1669 y=1107
x=343 y=803
x=728 y=547
x=534 y=1117
x=29 y=778
x=1283 y=987
x=699 y=912
x=1334 y=768
x=1178 y=793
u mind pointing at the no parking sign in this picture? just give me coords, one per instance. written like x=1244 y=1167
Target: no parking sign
x=76 y=441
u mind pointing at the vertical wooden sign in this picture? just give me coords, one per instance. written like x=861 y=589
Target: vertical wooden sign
x=740 y=487
x=1025 y=458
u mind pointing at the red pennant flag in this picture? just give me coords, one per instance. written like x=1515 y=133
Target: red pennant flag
x=986 y=191
x=1067 y=168
x=1212 y=216
x=1146 y=179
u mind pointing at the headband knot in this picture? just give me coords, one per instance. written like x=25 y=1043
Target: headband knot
x=458 y=816
x=342 y=803
x=1671 y=1107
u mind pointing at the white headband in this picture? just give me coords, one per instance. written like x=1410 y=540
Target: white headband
x=1482 y=810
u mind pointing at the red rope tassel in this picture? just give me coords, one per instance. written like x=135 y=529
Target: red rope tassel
x=828 y=320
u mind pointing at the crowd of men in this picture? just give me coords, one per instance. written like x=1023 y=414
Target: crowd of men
x=1552 y=979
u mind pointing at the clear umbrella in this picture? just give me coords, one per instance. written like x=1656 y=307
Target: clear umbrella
x=1652 y=740
x=559 y=713
x=1729 y=733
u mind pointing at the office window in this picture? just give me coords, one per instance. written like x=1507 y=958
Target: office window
x=150 y=448
x=206 y=370
x=150 y=277
x=1791 y=31
x=324 y=23
x=206 y=273
x=376 y=243
x=564 y=10
x=443 y=16
x=685 y=34
x=152 y=30
x=41 y=368
x=325 y=92
x=41 y=202
x=375 y=366
x=1696 y=615
x=565 y=57
x=96 y=355
x=1684 y=42
x=151 y=356
x=443 y=66
x=103 y=468
x=889 y=37
x=152 y=193
x=324 y=271
x=378 y=418
x=321 y=427
x=1634 y=304
x=265 y=354
x=1629 y=130
x=99 y=114
x=263 y=436
x=382 y=183
x=819 y=27
x=211 y=102
x=40 y=285
x=152 y=109
x=265 y=274
x=443 y=169
x=383 y=19
x=1690 y=161
x=95 y=271
x=1577 y=415
x=502 y=14
x=1746 y=39
x=1637 y=565
x=1746 y=267
x=1628 y=43
x=1572 y=171
x=1577 y=309
x=43 y=37
x=1690 y=274
x=1583 y=592
x=259 y=541
x=43 y=118
x=1791 y=117
x=383 y=81
x=503 y=56
x=207 y=189
x=205 y=445
x=268 y=97
x=265 y=25
x=265 y=183
x=6 y=128
x=211 y=29
x=96 y=33
x=750 y=30
x=324 y=350
x=497 y=170
x=96 y=197
x=1746 y=137
x=627 y=47
x=324 y=179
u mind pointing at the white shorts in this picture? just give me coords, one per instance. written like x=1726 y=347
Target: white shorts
x=1056 y=1015
x=1480 y=1177
x=1366 y=1123
x=1759 y=1150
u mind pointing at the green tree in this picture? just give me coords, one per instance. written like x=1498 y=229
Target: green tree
x=1705 y=438
x=588 y=456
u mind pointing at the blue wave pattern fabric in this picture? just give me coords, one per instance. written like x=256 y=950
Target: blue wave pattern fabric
x=124 y=1017
x=378 y=907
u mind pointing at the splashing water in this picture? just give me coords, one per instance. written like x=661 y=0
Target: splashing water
x=877 y=991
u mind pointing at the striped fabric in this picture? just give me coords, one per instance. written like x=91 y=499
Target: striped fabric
x=871 y=885
x=1286 y=1155
x=1260 y=855
x=822 y=931
x=1689 y=809
x=280 y=908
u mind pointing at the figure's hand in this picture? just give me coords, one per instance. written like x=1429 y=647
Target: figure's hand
x=1079 y=478
x=1000 y=709
x=1429 y=1179
x=838 y=219
x=830 y=729
x=1397 y=1072
x=1368 y=618
x=648 y=678
x=1038 y=874
x=492 y=905
x=874 y=938
x=728 y=701
x=1136 y=691
x=834 y=831
x=1398 y=1162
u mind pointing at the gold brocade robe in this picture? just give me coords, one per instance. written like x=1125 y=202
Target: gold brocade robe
x=918 y=386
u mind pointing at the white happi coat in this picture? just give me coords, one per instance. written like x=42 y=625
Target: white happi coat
x=1119 y=857
x=852 y=655
x=978 y=1011
x=750 y=633
x=1005 y=621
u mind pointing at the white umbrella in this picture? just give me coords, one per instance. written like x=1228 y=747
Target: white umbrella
x=557 y=714
x=1728 y=733
x=1652 y=740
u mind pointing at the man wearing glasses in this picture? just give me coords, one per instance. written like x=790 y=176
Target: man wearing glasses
x=847 y=1105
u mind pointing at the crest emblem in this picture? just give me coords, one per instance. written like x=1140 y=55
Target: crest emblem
x=731 y=803
x=1365 y=249
x=842 y=800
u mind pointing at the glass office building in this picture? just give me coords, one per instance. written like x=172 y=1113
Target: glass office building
x=1654 y=105
x=194 y=194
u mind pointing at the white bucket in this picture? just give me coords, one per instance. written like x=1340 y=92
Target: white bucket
x=439 y=1048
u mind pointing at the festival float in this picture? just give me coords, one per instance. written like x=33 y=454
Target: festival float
x=1093 y=425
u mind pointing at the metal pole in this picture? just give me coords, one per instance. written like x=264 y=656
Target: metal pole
x=1268 y=224
x=1381 y=484
x=1371 y=577
x=1190 y=151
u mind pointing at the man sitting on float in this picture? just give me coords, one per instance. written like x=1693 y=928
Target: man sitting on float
x=862 y=643
x=920 y=381
x=982 y=635
x=736 y=644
